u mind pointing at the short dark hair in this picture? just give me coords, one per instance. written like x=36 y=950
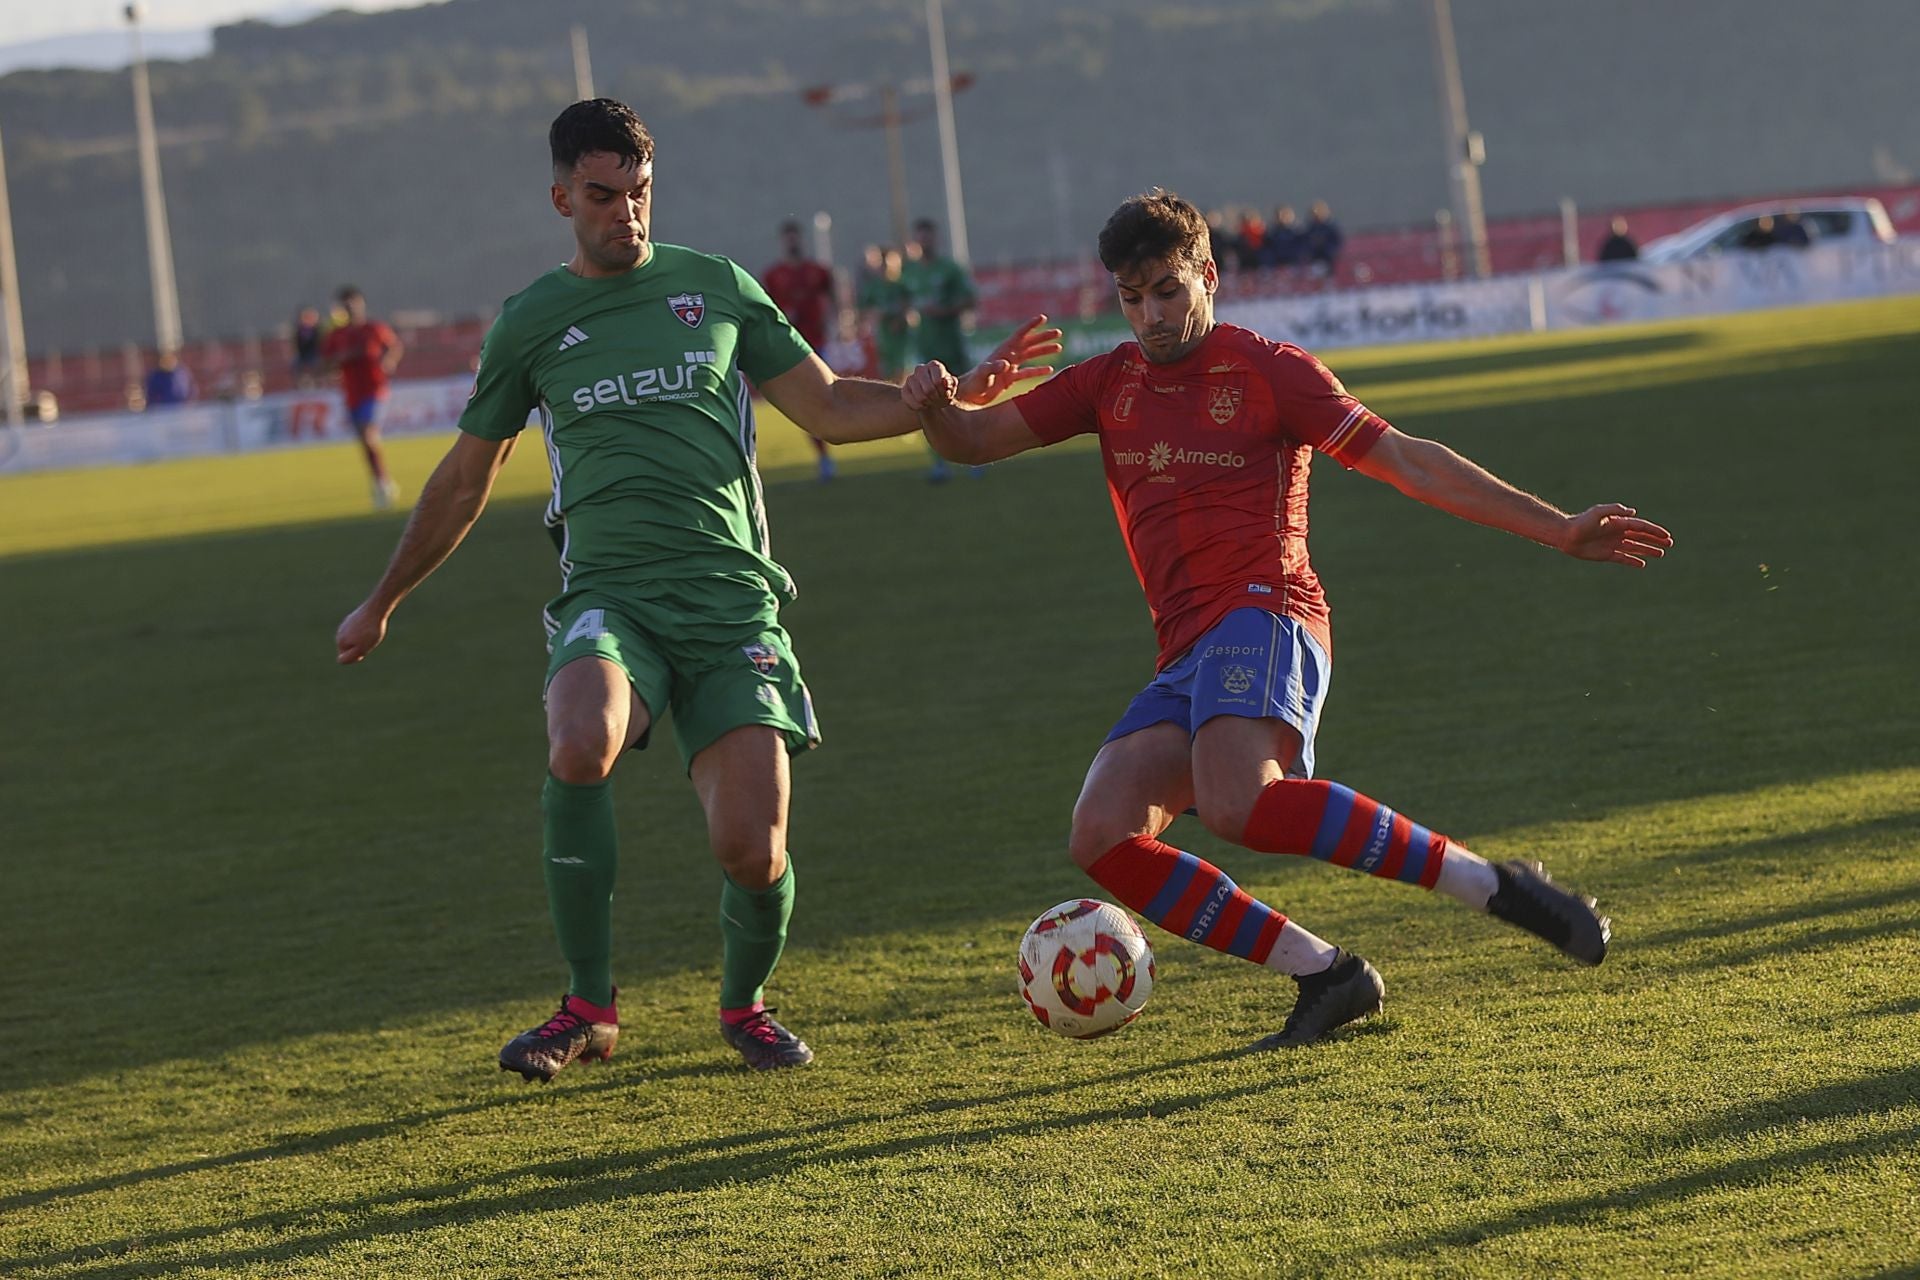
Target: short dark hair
x=925 y=224
x=790 y=226
x=348 y=293
x=1152 y=227
x=598 y=124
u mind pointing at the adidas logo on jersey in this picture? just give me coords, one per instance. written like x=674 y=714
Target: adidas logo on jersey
x=575 y=336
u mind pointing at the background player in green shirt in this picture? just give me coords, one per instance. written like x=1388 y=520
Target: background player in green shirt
x=635 y=357
x=941 y=293
x=886 y=306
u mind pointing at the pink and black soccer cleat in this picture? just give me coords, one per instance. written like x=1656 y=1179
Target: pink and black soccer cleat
x=578 y=1030
x=765 y=1044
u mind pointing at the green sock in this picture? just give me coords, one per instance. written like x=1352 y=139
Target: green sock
x=753 y=931
x=579 y=857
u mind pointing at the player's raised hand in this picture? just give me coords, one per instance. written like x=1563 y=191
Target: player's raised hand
x=1001 y=371
x=1611 y=532
x=929 y=387
x=360 y=634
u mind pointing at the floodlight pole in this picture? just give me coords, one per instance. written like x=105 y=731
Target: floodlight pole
x=166 y=295
x=1464 y=150
x=13 y=373
x=949 y=143
x=582 y=65
x=896 y=161
x=891 y=118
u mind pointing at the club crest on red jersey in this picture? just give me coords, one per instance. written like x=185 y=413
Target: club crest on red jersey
x=1223 y=403
x=690 y=307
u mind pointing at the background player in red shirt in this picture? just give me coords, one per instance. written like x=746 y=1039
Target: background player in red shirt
x=803 y=289
x=366 y=352
x=1206 y=432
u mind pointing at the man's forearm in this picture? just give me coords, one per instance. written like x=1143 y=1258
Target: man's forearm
x=439 y=523
x=863 y=409
x=1444 y=480
x=949 y=433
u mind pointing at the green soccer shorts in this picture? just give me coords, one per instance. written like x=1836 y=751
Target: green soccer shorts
x=713 y=676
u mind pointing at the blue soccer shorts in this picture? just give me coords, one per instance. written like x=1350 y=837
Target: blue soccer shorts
x=364 y=415
x=1254 y=664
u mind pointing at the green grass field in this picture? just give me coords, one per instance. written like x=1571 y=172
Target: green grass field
x=267 y=922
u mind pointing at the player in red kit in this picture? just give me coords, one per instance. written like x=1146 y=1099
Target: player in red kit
x=803 y=290
x=366 y=353
x=1207 y=431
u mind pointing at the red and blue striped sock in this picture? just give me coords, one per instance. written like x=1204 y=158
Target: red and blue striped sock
x=1339 y=825
x=1195 y=899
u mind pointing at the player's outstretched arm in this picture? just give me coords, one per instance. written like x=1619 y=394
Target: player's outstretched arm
x=958 y=432
x=449 y=504
x=849 y=410
x=1434 y=474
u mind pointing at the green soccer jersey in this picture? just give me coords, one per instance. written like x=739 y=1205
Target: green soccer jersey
x=940 y=282
x=890 y=304
x=638 y=382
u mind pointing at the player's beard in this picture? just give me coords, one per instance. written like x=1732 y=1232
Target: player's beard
x=1192 y=331
x=621 y=255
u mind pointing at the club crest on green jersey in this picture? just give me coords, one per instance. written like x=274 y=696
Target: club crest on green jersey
x=690 y=307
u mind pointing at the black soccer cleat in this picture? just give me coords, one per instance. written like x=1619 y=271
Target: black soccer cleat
x=542 y=1053
x=1349 y=990
x=1528 y=898
x=765 y=1044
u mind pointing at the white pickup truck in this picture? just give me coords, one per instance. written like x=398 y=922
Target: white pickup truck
x=1826 y=220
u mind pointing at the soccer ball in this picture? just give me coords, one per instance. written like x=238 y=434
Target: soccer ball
x=1085 y=968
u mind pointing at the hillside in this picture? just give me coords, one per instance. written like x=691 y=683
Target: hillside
x=405 y=150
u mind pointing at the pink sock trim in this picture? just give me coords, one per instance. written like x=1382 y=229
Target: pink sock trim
x=734 y=1017
x=593 y=1012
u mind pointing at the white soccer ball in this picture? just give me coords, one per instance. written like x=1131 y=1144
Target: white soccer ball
x=1085 y=968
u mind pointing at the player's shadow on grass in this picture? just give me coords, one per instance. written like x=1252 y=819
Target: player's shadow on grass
x=1854 y=1099
x=584 y=1180
x=1790 y=924
x=1819 y=908
x=1800 y=845
x=306 y=1144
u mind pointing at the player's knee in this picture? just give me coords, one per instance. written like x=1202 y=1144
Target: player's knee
x=753 y=863
x=581 y=761
x=1094 y=834
x=1223 y=813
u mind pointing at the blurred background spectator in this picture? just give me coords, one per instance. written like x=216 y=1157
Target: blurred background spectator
x=1760 y=236
x=1286 y=244
x=168 y=382
x=309 y=366
x=1323 y=239
x=1618 y=246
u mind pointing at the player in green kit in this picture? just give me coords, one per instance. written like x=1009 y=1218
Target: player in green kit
x=885 y=304
x=635 y=355
x=941 y=293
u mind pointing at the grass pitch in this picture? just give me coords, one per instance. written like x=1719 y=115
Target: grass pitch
x=267 y=921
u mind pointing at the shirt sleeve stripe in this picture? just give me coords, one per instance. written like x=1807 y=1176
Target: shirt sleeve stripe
x=1357 y=435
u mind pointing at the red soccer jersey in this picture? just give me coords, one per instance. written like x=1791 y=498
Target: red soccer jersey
x=359 y=349
x=1207 y=462
x=804 y=291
